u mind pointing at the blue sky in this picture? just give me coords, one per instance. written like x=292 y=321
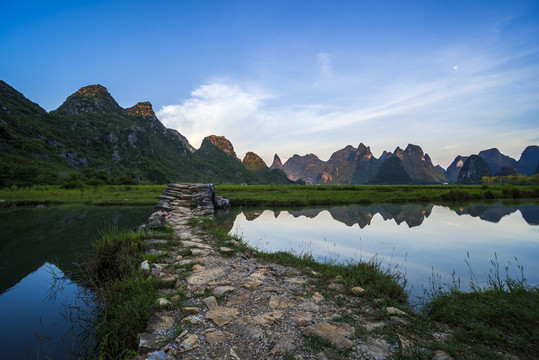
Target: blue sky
x=287 y=77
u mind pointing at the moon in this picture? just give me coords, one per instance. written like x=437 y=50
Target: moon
x=455 y=67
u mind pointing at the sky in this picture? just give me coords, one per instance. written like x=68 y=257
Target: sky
x=292 y=76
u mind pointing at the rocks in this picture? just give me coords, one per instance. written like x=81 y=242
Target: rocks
x=161 y=321
x=284 y=345
x=357 y=290
x=377 y=348
x=252 y=284
x=151 y=342
x=210 y=302
x=204 y=277
x=246 y=326
x=221 y=290
x=276 y=302
x=337 y=333
x=217 y=337
x=269 y=317
x=317 y=297
x=222 y=316
x=189 y=343
x=394 y=311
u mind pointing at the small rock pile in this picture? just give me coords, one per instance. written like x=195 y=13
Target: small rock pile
x=233 y=307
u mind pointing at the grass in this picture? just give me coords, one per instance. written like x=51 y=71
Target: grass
x=100 y=195
x=267 y=195
x=125 y=295
x=290 y=195
x=501 y=317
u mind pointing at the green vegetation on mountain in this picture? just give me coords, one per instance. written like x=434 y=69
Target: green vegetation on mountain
x=91 y=140
x=253 y=162
x=392 y=172
x=473 y=170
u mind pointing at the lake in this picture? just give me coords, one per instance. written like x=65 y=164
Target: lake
x=37 y=245
x=425 y=242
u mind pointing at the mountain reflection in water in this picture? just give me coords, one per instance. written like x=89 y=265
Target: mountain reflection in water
x=411 y=214
x=424 y=240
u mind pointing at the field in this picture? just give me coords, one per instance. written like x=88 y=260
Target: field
x=267 y=195
x=271 y=195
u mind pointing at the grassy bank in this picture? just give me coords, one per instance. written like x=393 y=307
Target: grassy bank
x=268 y=195
x=274 y=195
x=125 y=295
x=100 y=195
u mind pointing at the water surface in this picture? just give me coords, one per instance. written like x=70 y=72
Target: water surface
x=35 y=315
x=425 y=242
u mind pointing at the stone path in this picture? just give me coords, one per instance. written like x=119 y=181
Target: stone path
x=233 y=307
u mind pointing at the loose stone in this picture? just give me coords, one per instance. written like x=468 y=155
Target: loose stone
x=191 y=310
x=204 y=277
x=161 y=321
x=217 y=337
x=197 y=268
x=151 y=342
x=357 y=290
x=163 y=302
x=285 y=344
x=222 y=316
x=221 y=290
x=302 y=318
x=246 y=326
x=394 y=311
x=377 y=348
x=317 y=297
x=277 y=302
x=336 y=333
x=191 y=342
x=252 y=284
x=267 y=318
x=210 y=302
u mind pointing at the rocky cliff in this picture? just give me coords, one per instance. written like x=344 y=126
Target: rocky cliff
x=473 y=170
x=253 y=162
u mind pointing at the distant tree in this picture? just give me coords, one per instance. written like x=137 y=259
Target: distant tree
x=156 y=176
x=127 y=180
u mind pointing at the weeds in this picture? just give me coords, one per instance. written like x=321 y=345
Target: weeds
x=125 y=295
x=501 y=316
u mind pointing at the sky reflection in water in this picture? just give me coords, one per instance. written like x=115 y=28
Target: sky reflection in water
x=419 y=239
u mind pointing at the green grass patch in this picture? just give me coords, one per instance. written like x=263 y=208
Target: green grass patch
x=293 y=195
x=90 y=195
x=125 y=295
x=501 y=317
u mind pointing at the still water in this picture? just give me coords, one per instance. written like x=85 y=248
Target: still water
x=425 y=242
x=39 y=320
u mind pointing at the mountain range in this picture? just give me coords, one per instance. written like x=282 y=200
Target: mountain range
x=90 y=138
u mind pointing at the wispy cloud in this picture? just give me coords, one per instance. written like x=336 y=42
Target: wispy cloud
x=434 y=106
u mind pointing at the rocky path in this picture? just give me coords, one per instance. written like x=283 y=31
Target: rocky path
x=221 y=306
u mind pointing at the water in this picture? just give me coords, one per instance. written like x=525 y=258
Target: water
x=37 y=313
x=425 y=242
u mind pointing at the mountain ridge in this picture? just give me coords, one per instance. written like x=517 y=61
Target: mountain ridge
x=90 y=133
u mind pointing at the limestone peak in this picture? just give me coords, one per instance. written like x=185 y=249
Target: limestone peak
x=221 y=143
x=89 y=99
x=143 y=108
